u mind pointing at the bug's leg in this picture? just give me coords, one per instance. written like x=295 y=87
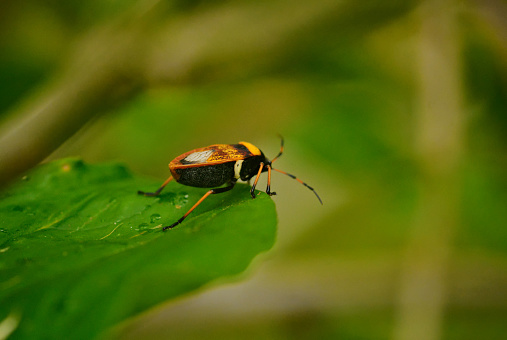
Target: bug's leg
x=252 y=190
x=268 y=188
x=212 y=191
x=300 y=181
x=156 y=193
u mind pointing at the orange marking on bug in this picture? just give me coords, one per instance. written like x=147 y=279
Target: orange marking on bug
x=252 y=148
x=225 y=152
x=221 y=153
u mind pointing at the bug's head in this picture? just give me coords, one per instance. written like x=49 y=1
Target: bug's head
x=266 y=163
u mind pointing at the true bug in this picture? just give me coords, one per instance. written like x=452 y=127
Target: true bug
x=219 y=164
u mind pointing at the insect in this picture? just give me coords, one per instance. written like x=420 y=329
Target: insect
x=219 y=164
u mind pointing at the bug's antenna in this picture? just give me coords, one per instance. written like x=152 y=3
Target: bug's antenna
x=281 y=150
x=300 y=181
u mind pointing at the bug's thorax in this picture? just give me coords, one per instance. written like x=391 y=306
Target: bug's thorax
x=250 y=166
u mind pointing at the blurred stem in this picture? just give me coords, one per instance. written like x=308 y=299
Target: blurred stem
x=439 y=145
x=104 y=70
x=492 y=14
x=235 y=37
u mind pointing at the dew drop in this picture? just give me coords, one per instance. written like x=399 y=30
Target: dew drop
x=154 y=218
x=143 y=226
x=181 y=199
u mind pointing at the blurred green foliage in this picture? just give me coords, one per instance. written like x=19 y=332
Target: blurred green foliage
x=350 y=89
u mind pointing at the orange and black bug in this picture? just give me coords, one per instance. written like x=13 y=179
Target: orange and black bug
x=219 y=164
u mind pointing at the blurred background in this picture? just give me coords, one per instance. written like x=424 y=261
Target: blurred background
x=394 y=111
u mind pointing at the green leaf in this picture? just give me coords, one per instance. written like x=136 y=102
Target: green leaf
x=81 y=251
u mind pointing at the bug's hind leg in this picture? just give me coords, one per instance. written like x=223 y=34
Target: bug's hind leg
x=210 y=192
x=156 y=193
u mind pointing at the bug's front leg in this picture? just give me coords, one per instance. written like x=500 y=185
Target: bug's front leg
x=268 y=188
x=252 y=190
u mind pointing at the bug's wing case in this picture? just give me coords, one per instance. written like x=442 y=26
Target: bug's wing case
x=213 y=154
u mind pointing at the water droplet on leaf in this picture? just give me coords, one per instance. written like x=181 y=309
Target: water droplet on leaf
x=154 y=218
x=143 y=226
